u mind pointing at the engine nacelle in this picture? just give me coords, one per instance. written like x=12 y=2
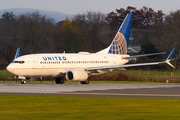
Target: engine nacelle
x=20 y=77
x=76 y=75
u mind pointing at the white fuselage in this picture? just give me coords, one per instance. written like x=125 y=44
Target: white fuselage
x=41 y=65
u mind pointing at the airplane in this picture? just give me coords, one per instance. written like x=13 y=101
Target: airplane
x=79 y=66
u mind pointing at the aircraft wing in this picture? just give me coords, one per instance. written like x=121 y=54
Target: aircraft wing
x=132 y=65
x=122 y=66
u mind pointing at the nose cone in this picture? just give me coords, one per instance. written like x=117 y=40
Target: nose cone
x=9 y=68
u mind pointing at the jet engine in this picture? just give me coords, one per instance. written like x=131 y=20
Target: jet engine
x=76 y=75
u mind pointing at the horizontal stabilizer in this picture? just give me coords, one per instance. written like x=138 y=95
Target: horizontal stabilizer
x=133 y=65
x=143 y=55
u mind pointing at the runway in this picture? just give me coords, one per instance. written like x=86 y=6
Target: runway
x=155 y=91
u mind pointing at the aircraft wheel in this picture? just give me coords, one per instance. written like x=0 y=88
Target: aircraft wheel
x=82 y=82
x=62 y=81
x=86 y=82
x=23 y=82
x=59 y=80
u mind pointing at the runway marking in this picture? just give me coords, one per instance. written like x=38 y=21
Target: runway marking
x=116 y=94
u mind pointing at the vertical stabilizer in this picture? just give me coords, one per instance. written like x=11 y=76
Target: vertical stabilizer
x=121 y=40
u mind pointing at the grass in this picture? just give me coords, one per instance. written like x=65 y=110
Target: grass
x=147 y=73
x=4 y=74
x=160 y=76
x=77 y=108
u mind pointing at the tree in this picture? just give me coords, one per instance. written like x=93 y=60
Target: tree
x=91 y=24
x=149 y=48
x=96 y=22
x=7 y=16
x=168 y=33
x=6 y=35
x=143 y=18
x=37 y=31
x=73 y=39
x=31 y=32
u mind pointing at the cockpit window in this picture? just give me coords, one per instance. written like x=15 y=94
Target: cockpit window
x=21 y=62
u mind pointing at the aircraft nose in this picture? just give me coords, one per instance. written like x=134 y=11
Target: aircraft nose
x=12 y=69
x=8 y=68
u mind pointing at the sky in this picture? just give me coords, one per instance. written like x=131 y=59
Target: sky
x=74 y=7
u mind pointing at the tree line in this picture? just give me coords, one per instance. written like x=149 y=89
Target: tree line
x=90 y=31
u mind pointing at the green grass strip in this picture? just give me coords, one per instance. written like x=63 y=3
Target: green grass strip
x=77 y=108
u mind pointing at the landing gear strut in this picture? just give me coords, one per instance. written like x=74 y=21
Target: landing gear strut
x=59 y=80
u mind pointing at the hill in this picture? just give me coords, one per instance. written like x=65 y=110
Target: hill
x=58 y=16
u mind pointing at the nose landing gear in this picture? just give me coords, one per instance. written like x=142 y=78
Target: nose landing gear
x=23 y=81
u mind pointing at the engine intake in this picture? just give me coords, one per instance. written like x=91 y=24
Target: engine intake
x=76 y=75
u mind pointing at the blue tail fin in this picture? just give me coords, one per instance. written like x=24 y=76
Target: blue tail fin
x=121 y=40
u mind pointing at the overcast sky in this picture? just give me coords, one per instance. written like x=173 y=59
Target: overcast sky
x=81 y=6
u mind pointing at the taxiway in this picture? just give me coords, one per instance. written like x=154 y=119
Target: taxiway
x=156 y=91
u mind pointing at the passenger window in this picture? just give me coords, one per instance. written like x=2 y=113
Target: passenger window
x=21 y=62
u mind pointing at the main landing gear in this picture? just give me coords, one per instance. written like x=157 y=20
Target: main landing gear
x=85 y=82
x=59 y=80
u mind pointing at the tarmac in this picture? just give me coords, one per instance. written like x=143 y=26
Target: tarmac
x=152 y=91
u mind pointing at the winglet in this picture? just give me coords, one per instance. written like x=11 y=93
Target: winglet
x=169 y=58
x=17 y=53
x=171 y=54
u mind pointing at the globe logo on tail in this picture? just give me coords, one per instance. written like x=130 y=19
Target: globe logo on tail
x=118 y=46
